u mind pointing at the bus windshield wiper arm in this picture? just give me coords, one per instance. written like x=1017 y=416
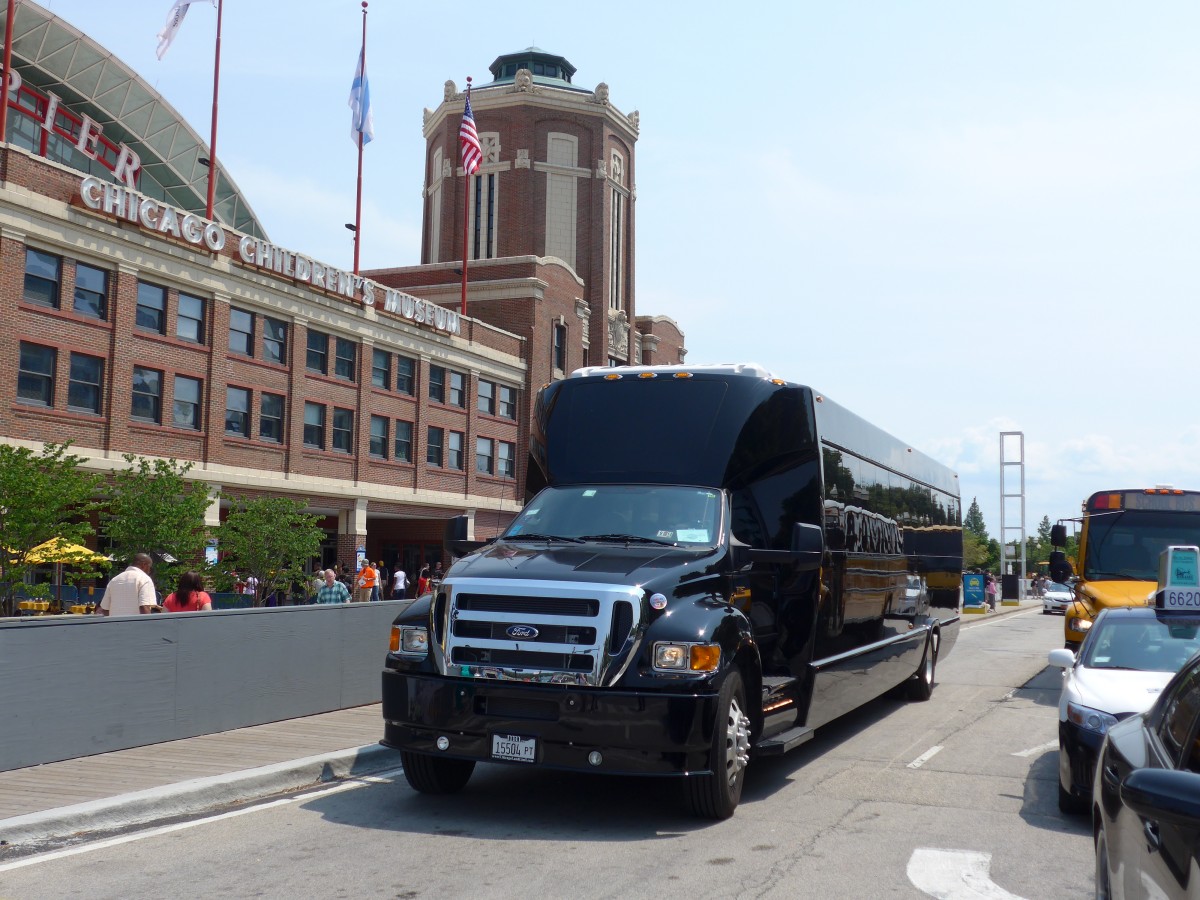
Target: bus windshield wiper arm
x=628 y=539
x=544 y=537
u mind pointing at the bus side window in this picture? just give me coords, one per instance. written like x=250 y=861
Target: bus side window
x=744 y=520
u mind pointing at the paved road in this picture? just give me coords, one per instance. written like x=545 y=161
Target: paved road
x=867 y=809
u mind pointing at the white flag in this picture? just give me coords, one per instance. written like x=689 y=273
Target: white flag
x=361 y=120
x=174 y=19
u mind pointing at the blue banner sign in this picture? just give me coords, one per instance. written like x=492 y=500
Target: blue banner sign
x=973 y=590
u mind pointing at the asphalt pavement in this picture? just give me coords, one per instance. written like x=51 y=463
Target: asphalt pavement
x=112 y=791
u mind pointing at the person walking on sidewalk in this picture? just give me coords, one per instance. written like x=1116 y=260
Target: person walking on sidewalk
x=131 y=592
x=190 y=596
x=399 y=584
x=333 y=591
x=366 y=582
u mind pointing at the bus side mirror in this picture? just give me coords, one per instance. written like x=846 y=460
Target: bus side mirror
x=456 y=536
x=808 y=546
x=1060 y=569
x=1058 y=536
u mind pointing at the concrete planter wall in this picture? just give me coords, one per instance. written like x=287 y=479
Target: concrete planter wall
x=73 y=686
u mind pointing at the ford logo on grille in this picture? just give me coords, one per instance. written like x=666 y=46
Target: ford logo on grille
x=521 y=632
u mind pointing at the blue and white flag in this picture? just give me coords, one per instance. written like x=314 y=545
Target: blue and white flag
x=361 y=121
x=174 y=19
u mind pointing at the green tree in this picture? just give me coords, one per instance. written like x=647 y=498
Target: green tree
x=973 y=521
x=270 y=538
x=42 y=496
x=153 y=508
x=1043 y=531
x=975 y=551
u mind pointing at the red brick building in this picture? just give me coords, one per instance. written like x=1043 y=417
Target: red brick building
x=138 y=326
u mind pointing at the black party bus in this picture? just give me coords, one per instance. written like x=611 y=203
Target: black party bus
x=711 y=563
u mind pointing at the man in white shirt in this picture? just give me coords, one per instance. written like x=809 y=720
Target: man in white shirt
x=399 y=584
x=131 y=592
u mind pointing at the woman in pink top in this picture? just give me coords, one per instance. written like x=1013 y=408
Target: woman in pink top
x=190 y=596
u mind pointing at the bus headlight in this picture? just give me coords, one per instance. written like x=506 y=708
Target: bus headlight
x=1077 y=623
x=686 y=657
x=410 y=640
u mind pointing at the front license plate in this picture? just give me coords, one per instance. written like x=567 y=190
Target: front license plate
x=514 y=748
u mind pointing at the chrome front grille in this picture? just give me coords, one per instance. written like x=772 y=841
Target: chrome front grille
x=524 y=630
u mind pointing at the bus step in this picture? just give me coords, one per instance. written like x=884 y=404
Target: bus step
x=782 y=743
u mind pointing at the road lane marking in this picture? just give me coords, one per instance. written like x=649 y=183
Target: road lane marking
x=955 y=875
x=346 y=785
x=1040 y=748
x=925 y=757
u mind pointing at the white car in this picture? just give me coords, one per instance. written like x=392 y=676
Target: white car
x=1125 y=661
x=914 y=596
x=1057 y=598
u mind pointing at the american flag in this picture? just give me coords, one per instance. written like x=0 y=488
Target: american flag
x=468 y=139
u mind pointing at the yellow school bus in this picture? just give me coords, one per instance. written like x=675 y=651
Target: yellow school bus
x=1121 y=536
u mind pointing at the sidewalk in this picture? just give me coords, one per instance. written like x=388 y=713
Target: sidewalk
x=124 y=787
x=111 y=790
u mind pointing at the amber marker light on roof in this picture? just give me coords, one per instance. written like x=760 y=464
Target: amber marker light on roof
x=683 y=375
x=778 y=381
x=613 y=377
x=647 y=374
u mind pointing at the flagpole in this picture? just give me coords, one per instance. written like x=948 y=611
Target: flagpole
x=212 y=143
x=466 y=216
x=363 y=125
x=8 y=30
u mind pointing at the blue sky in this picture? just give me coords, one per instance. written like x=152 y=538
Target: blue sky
x=954 y=218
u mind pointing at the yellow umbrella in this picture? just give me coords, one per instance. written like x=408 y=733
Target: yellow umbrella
x=56 y=550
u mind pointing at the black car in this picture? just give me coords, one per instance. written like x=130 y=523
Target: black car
x=1146 y=797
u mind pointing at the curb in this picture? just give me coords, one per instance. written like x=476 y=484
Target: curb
x=196 y=795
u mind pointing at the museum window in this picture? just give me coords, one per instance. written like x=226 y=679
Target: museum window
x=559 y=348
x=346 y=357
x=43 y=275
x=343 y=430
x=458 y=389
x=506 y=408
x=270 y=418
x=85 y=388
x=433 y=446
x=485 y=397
x=91 y=291
x=406 y=375
x=151 y=308
x=147 y=395
x=316 y=357
x=241 y=332
x=314 y=425
x=189 y=323
x=485 y=461
x=186 y=408
x=402 y=449
x=437 y=384
x=35 y=374
x=506 y=452
x=379 y=437
x=381 y=368
x=275 y=334
x=237 y=411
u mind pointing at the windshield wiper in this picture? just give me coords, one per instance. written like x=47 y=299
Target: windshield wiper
x=627 y=539
x=543 y=537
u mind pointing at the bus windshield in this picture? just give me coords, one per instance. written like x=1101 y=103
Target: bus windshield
x=1127 y=544
x=619 y=513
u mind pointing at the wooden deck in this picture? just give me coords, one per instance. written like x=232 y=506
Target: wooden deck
x=39 y=788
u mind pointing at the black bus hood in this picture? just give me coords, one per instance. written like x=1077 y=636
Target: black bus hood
x=605 y=563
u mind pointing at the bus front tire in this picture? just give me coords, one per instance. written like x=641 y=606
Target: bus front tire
x=436 y=774
x=920 y=686
x=716 y=795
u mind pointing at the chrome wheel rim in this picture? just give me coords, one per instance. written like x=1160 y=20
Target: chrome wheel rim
x=737 y=741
